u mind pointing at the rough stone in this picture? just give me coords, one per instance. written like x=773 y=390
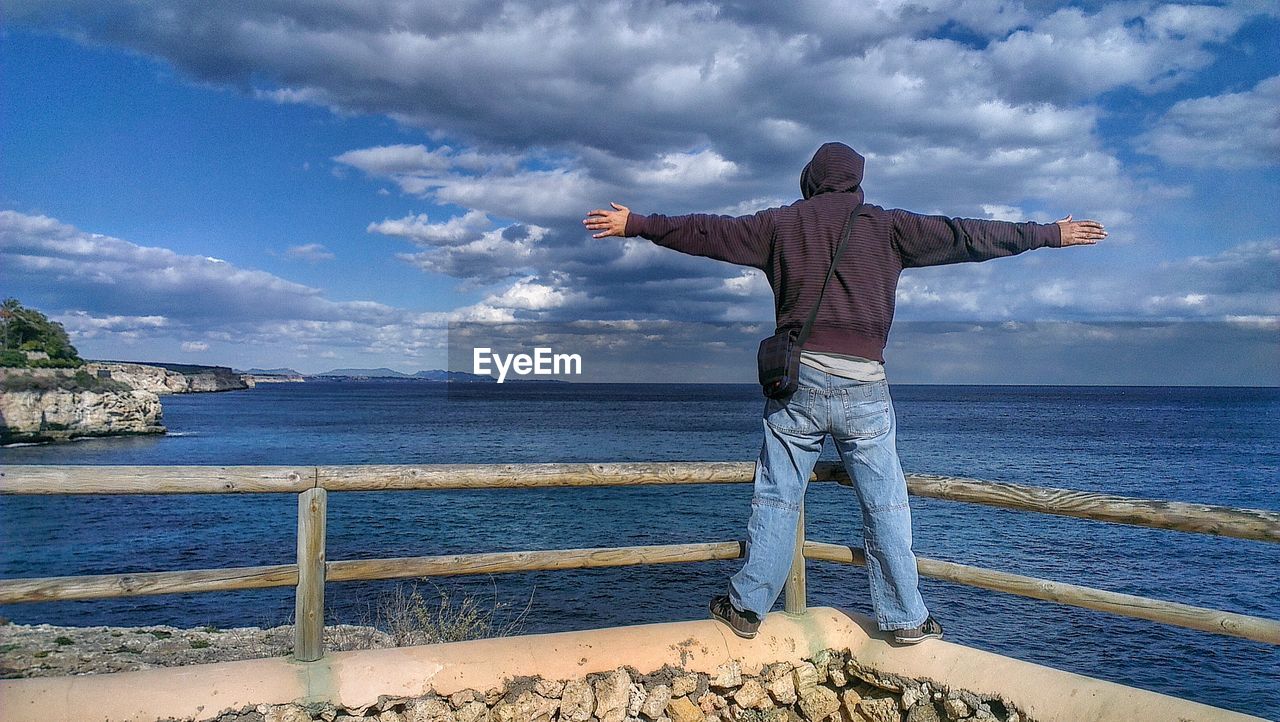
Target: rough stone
x=885 y=682
x=710 y=702
x=836 y=676
x=849 y=699
x=774 y=671
x=817 y=703
x=636 y=700
x=910 y=697
x=751 y=695
x=783 y=688
x=727 y=675
x=577 y=701
x=682 y=709
x=655 y=702
x=955 y=708
x=924 y=712
x=286 y=713
x=805 y=676
x=429 y=709
x=880 y=709
x=613 y=694
x=821 y=661
x=527 y=707
x=683 y=684
x=475 y=711
x=390 y=715
x=549 y=688
x=460 y=699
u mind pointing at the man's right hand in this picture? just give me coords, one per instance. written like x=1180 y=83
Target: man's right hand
x=608 y=223
x=1080 y=233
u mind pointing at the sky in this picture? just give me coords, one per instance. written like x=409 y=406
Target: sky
x=332 y=184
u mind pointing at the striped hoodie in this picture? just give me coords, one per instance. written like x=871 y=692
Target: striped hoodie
x=794 y=244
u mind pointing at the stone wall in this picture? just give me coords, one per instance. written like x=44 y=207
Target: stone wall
x=828 y=688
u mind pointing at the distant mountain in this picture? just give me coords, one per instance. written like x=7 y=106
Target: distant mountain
x=463 y=376
x=271 y=372
x=371 y=373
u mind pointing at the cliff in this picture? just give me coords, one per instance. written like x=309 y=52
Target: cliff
x=159 y=379
x=56 y=414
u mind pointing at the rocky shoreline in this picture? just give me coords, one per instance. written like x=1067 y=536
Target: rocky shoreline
x=98 y=399
x=45 y=650
x=829 y=687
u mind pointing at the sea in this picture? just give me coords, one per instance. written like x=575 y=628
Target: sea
x=1203 y=445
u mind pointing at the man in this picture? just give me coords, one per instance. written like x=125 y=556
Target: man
x=842 y=389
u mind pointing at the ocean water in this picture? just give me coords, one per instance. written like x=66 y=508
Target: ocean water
x=1210 y=445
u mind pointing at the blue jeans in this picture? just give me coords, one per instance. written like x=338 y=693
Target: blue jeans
x=859 y=417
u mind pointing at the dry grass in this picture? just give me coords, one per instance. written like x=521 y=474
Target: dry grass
x=411 y=617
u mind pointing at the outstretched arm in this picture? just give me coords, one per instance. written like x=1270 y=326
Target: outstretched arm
x=744 y=240
x=938 y=240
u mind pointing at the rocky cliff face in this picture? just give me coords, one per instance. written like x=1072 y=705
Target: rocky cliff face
x=159 y=380
x=59 y=414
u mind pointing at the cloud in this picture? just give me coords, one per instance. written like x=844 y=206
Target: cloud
x=109 y=292
x=310 y=252
x=419 y=229
x=1071 y=54
x=541 y=107
x=1229 y=131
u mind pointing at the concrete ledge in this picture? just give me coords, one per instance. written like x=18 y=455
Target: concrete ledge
x=355 y=679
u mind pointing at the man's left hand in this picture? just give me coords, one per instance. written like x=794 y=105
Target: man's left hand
x=1080 y=233
x=609 y=223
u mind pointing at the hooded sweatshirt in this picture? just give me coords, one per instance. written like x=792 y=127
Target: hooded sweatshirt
x=794 y=245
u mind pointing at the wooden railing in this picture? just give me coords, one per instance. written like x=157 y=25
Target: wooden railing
x=312 y=570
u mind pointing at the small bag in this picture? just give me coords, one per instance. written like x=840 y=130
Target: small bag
x=778 y=360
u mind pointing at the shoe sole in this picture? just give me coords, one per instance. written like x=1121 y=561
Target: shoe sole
x=908 y=641
x=725 y=622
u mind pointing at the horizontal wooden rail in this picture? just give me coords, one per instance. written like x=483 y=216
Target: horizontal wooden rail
x=51 y=479
x=106 y=586
x=532 y=561
x=109 y=586
x=1254 y=524
x=1203 y=619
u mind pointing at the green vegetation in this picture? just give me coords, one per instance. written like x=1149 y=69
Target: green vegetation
x=200 y=644
x=63 y=641
x=159 y=633
x=81 y=381
x=24 y=330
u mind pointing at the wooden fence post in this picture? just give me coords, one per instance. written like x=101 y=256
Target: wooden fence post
x=308 y=622
x=795 y=601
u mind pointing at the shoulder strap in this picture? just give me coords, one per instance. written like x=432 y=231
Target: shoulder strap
x=844 y=241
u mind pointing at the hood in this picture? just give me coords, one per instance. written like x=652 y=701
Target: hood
x=835 y=168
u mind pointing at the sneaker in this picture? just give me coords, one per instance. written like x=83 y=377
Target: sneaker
x=930 y=629
x=743 y=624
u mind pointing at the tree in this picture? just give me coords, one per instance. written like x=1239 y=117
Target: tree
x=26 y=329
